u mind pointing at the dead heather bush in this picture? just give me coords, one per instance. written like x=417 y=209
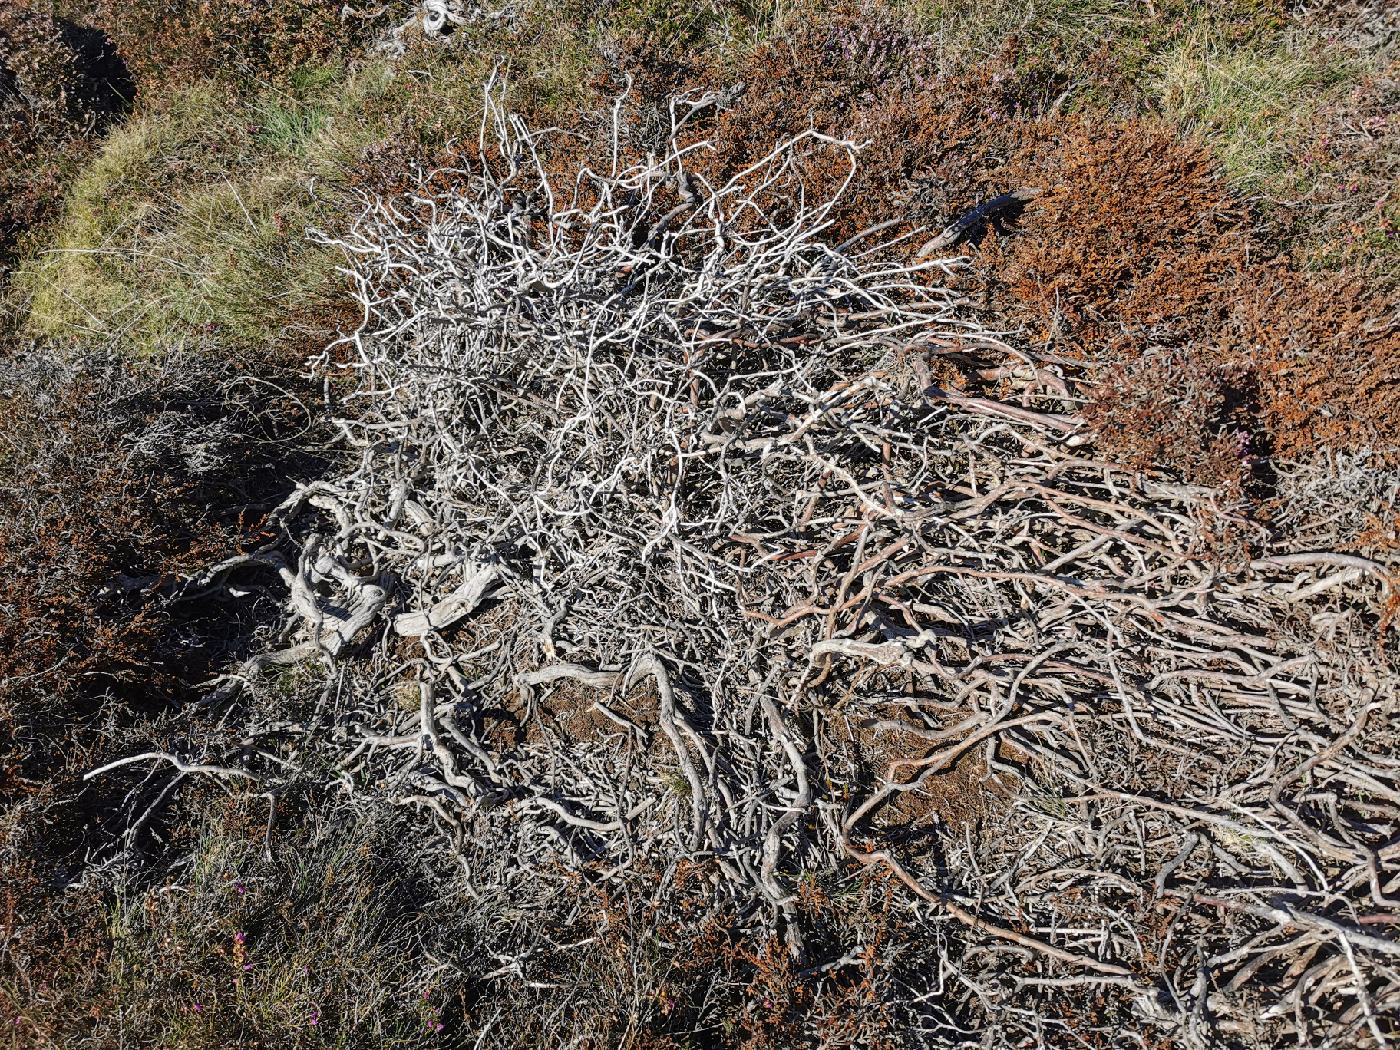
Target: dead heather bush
x=658 y=449
x=557 y=790
x=664 y=968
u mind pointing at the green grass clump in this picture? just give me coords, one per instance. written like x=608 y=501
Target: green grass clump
x=288 y=128
x=173 y=232
x=189 y=226
x=1251 y=101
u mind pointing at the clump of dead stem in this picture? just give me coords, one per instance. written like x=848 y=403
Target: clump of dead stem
x=643 y=443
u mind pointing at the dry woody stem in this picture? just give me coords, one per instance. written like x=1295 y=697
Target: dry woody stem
x=658 y=544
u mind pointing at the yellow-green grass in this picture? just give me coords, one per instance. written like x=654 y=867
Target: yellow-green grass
x=1252 y=102
x=188 y=227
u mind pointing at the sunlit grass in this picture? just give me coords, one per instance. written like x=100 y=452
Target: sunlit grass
x=1251 y=102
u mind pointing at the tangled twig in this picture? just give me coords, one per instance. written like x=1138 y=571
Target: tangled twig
x=659 y=517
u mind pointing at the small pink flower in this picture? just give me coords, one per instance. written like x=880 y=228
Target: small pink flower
x=240 y=938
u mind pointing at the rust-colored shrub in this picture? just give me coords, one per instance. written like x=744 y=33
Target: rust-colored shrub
x=1173 y=409
x=1327 y=353
x=1135 y=236
x=1214 y=351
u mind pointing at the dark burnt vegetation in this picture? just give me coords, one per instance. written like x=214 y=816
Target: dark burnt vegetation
x=121 y=480
x=61 y=85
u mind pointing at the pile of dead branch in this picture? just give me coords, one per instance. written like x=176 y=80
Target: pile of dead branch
x=658 y=549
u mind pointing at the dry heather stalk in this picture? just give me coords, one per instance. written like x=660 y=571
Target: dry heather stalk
x=652 y=445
